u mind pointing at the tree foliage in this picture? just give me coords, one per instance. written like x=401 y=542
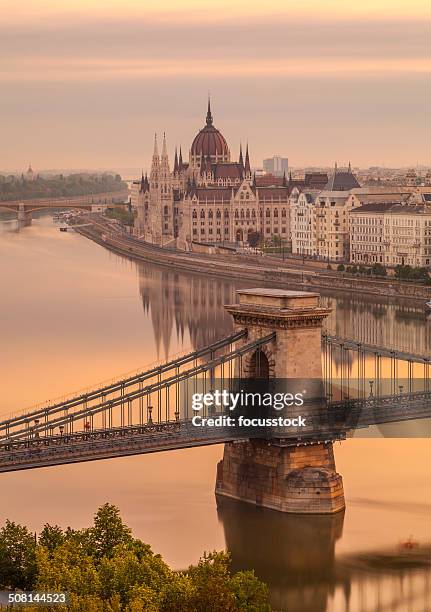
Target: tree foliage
x=17 y=557
x=104 y=568
x=19 y=188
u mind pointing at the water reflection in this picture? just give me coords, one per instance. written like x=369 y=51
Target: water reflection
x=400 y=324
x=190 y=303
x=295 y=556
x=183 y=301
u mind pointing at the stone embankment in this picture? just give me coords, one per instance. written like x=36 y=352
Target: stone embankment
x=250 y=267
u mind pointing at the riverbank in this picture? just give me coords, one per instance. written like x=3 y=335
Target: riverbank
x=249 y=267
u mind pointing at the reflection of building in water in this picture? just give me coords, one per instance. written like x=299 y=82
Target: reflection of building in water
x=193 y=303
x=295 y=556
x=187 y=303
x=394 y=324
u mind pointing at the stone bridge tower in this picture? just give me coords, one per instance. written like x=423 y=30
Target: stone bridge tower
x=274 y=474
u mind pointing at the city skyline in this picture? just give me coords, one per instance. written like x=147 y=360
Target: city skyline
x=87 y=84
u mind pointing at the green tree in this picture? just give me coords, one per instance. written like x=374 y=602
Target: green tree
x=250 y=593
x=178 y=594
x=254 y=238
x=51 y=537
x=124 y=572
x=105 y=569
x=379 y=270
x=340 y=267
x=211 y=579
x=17 y=557
x=68 y=568
x=109 y=531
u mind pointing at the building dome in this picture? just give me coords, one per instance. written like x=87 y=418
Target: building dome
x=209 y=142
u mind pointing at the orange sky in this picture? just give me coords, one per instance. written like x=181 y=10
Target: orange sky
x=314 y=81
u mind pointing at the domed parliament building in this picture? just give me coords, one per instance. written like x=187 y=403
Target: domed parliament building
x=210 y=198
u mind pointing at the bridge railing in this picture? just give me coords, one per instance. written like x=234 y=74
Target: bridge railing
x=111 y=391
x=164 y=397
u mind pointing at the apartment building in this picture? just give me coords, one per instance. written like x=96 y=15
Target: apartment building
x=390 y=233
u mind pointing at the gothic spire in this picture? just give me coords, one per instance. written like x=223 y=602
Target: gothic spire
x=164 y=148
x=180 y=160
x=176 y=161
x=247 y=162
x=241 y=161
x=209 y=115
x=156 y=148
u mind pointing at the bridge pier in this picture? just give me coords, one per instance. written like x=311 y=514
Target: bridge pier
x=24 y=216
x=273 y=474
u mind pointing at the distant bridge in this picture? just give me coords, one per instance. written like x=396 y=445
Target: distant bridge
x=25 y=208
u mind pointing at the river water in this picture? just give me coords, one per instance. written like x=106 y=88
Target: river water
x=72 y=314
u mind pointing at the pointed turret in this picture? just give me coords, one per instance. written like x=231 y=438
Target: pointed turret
x=284 y=179
x=164 y=148
x=247 y=162
x=241 y=161
x=180 y=161
x=165 y=171
x=350 y=168
x=156 y=148
x=176 y=161
x=155 y=166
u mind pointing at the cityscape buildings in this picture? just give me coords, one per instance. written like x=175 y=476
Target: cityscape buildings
x=276 y=165
x=214 y=199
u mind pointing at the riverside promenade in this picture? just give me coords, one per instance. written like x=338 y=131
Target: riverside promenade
x=266 y=270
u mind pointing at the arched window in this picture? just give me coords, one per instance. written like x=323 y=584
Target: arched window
x=202 y=214
x=166 y=210
x=210 y=214
x=268 y=212
x=226 y=214
x=276 y=212
x=247 y=214
x=283 y=212
x=253 y=213
x=195 y=214
x=218 y=214
x=236 y=214
x=242 y=213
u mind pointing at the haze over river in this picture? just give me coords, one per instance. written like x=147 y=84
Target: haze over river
x=72 y=314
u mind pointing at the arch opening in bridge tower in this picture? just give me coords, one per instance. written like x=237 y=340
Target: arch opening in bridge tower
x=259 y=366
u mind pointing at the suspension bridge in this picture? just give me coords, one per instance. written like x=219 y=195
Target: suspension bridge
x=278 y=336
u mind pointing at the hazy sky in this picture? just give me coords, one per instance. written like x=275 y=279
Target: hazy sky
x=86 y=83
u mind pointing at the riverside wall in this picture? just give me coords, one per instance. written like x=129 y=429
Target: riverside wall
x=247 y=268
